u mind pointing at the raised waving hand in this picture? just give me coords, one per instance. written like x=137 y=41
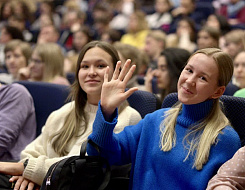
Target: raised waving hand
x=113 y=91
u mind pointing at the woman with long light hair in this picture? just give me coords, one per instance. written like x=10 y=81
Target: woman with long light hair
x=172 y=148
x=67 y=128
x=46 y=65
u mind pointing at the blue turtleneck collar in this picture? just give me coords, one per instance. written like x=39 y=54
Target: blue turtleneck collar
x=194 y=113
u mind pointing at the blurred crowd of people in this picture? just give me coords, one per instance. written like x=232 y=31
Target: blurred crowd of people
x=148 y=27
x=49 y=40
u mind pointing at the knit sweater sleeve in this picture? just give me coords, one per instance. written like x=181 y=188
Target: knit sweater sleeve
x=39 y=162
x=40 y=152
x=117 y=148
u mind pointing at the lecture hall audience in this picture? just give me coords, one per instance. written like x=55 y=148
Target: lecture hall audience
x=145 y=28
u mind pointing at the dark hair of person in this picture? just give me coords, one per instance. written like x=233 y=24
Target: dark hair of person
x=2 y=11
x=176 y=59
x=192 y=25
x=224 y=25
x=14 y=32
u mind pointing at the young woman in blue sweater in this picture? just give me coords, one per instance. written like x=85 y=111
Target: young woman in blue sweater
x=175 y=148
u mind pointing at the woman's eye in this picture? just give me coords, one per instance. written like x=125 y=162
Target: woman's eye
x=84 y=66
x=203 y=78
x=101 y=66
x=17 y=55
x=188 y=70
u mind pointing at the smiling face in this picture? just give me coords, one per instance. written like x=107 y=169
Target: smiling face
x=91 y=73
x=199 y=80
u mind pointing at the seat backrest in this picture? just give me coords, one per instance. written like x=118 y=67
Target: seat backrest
x=47 y=98
x=144 y=102
x=71 y=77
x=231 y=89
x=234 y=109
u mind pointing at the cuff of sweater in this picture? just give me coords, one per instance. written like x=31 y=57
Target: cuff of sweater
x=102 y=133
x=28 y=172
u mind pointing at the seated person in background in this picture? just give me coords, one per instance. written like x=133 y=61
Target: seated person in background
x=231 y=175
x=67 y=128
x=161 y=18
x=234 y=11
x=46 y=65
x=208 y=37
x=220 y=23
x=137 y=30
x=234 y=42
x=17 y=121
x=239 y=73
x=170 y=64
x=185 y=36
x=172 y=148
x=80 y=38
x=17 y=53
x=187 y=8
x=111 y=35
x=70 y=63
x=125 y=52
x=8 y=33
x=48 y=33
x=155 y=43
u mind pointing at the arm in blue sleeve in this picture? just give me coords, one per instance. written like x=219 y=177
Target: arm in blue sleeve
x=117 y=148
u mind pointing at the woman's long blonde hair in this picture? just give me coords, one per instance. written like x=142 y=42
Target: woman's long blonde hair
x=72 y=126
x=53 y=59
x=201 y=135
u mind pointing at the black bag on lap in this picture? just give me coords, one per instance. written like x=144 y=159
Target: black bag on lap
x=4 y=182
x=84 y=173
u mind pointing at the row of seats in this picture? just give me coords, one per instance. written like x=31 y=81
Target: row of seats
x=49 y=97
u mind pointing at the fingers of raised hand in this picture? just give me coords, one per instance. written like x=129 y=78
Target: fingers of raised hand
x=129 y=73
x=117 y=70
x=124 y=70
x=130 y=91
x=106 y=76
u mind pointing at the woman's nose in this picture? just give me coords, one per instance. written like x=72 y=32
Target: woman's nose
x=191 y=80
x=92 y=71
x=239 y=68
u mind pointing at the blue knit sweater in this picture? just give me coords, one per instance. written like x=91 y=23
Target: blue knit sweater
x=153 y=168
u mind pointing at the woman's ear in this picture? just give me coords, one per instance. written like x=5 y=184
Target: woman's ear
x=219 y=92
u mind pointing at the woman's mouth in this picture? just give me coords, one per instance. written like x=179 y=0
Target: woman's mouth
x=187 y=91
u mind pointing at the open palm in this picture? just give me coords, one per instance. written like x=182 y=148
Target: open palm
x=113 y=91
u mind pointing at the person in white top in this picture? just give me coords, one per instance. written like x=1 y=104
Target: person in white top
x=67 y=128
